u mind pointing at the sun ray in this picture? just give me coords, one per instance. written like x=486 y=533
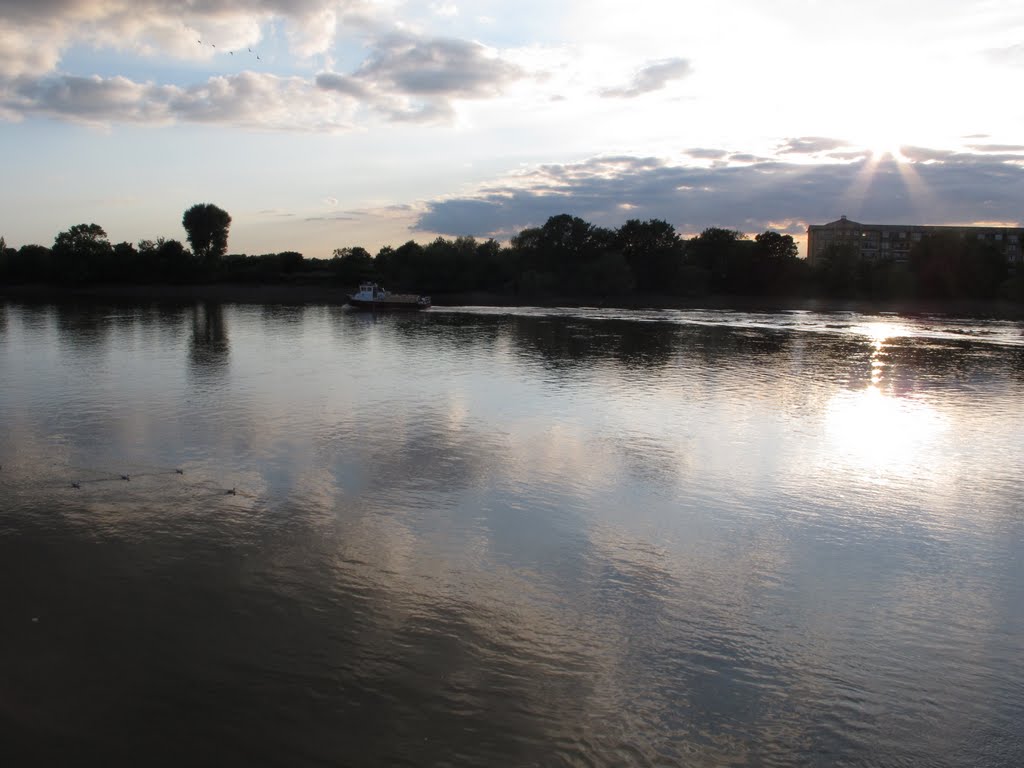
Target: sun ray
x=853 y=198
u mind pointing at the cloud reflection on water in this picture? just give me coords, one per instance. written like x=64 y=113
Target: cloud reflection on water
x=529 y=537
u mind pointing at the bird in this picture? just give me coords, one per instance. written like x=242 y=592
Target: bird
x=180 y=471
x=230 y=492
x=126 y=478
x=76 y=485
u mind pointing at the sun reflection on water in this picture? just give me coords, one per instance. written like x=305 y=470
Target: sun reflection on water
x=876 y=431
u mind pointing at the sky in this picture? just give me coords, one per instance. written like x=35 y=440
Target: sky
x=324 y=124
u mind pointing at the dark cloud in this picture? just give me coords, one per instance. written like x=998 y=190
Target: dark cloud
x=653 y=77
x=409 y=79
x=349 y=86
x=91 y=98
x=247 y=99
x=971 y=187
x=439 y=67
x=809 y=145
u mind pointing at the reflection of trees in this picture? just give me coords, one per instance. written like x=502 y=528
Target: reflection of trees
x=83 y=325
x=565 y=342
x=283 y=314
x=568 y=342
x=208 y=348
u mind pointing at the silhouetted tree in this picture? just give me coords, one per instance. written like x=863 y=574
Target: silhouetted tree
x=125 y=264
x=30 y=263
x=776 y=268
x=838 y=270
x=723 y=255
x=290 y=261
x=168 y=260
x=207 y=228
x=948 y=265
x=494 y=267
x=561 y=249
x=82 y=253
x=774 y=246
x=352 y=265
x=653 y=252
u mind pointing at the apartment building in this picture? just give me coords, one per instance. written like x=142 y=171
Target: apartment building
x=894 y=241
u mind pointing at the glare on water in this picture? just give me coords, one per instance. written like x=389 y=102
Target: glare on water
x=509 y=536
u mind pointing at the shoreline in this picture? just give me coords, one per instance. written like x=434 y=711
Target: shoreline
x=257 y=293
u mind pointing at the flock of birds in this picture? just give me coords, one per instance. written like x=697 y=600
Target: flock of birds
x=127 y=476
x=249 y=51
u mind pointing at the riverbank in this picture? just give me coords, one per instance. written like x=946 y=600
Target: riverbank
x=311 y=293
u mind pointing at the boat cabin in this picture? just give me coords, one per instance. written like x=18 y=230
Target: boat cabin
x=370 y=292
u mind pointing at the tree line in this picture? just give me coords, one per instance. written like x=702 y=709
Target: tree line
x=566 y=257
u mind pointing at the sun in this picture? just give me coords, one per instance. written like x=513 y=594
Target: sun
x=884 y=149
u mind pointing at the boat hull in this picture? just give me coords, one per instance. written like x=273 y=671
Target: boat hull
x=388 y=305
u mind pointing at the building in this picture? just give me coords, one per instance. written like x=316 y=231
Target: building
x=894 y=241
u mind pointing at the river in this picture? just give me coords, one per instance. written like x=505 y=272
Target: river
x=299 y=536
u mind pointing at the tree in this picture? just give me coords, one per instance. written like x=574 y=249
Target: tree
x=352 y=265
x=207 y=228
x=653 y=251
x=82 y=253
x=722 y=255
x=290 y=261
x=561 y=249
x=838 y=269
x=772 y=245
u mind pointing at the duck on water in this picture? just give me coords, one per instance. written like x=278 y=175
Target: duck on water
x=373 y=297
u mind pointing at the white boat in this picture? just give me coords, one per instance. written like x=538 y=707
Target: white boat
x=371 y=296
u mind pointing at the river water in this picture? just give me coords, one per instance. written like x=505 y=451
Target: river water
x=509 y=537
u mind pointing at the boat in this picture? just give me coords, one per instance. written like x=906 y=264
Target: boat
x=372 y=297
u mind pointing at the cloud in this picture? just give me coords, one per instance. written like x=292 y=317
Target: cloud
x=751 y=198
x=1012 y=55
x=34 y=37
x=416 y=79
x=343 y=84
x=652 y=77
x=34 y=34
x=404 y=77
x=924 y=154
x=810 y=145
x=444 y=67
x=248 y=99
x=998 y=147
x=706 y=154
